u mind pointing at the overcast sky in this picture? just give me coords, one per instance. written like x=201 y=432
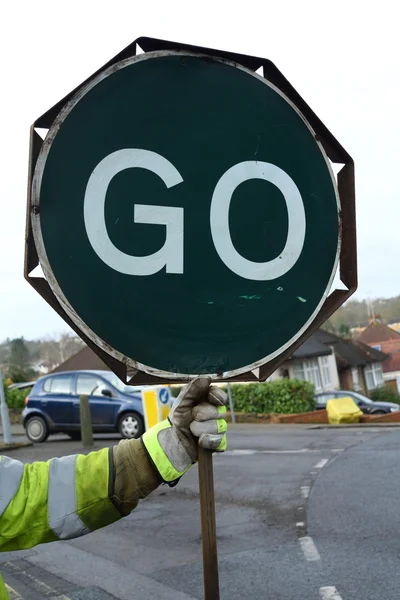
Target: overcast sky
x=343 y=57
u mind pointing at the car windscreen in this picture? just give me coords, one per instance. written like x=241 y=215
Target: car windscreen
x=121 y=387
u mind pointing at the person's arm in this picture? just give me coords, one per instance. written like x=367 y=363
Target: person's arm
x=69 y=497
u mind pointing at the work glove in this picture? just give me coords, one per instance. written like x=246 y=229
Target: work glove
x=197 y=418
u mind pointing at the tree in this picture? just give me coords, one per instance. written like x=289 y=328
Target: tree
x=19 y=361
x=53 y=352
x=344 y=330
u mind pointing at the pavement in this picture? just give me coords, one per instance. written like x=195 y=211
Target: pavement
x=302 y=513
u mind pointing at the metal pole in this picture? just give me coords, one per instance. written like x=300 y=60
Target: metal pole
x=5 y=417
x=208 y=526
x=231 y=403
x=86 y=421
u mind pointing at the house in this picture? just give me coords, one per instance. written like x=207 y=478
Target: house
x=313 y=361
x=326 y=360
x=84 y=359
x=382 y=337
x=359 y=366
x=331 y=362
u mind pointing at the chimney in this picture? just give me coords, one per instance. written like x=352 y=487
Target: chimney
x=375 y=319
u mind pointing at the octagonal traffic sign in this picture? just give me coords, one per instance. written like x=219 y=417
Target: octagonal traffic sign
x=186 y=216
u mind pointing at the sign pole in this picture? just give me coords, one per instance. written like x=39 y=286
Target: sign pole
x=208 y=526
x=231 y=407
x=5 y=417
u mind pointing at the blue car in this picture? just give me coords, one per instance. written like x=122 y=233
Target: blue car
x=53 y=405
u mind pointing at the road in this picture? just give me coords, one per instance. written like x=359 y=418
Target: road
x=302 y=513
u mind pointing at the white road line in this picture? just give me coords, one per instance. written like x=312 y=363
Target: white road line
x=38 y=585
x=300 y=524
x=309 y=548
x=12 y=593
x=329 y=593
x=239 y=452
x=305 y=491
x=320 y=464
x=250 y=451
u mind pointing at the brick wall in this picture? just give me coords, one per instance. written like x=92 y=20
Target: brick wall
x=316 y=416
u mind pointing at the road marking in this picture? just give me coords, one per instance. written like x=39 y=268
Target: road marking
x=300 y=524
x=239 y=452
x=309 y=549
x=337 y=450
x=329 y=593
x=305 y=491
x=38 y=585
x=320 y=464
x=248 y=451
x=12 y=593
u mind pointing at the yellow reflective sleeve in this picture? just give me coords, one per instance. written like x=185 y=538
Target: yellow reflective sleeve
x=3 y=592
x=94 y=489
x=223 y=445
x=157 y=455
x=24 y=522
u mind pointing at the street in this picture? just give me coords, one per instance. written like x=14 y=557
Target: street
x=302 y=513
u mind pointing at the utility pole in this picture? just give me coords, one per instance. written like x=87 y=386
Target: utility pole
x=5 y=417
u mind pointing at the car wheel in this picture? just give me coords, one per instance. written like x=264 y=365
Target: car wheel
x=75 y=435
x=131 y=426
x=37 y=430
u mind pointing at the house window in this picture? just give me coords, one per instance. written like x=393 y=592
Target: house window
x=356 y=381
x=373 y=376
x=325 y=371
x=308 y=370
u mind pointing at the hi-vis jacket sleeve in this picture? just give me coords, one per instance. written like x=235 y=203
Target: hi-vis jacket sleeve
x=65 y=497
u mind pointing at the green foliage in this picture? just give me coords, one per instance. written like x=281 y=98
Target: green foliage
x=19 y=361
x=16 y=398
x=344 y=330
x=21 y=375
x=20 y=357
x=279 y=396
x=175 y=390
x=385 y=394
x=354 y=313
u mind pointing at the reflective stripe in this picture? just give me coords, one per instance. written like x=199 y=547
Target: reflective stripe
x=11 y=472
x=171 y=468
x=223 y=445
x=62 y=505
x=222 y=425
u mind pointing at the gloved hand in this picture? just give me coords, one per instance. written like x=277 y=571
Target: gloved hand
x=196 y=418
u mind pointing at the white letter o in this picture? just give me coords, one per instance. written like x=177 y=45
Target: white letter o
x=219 y=221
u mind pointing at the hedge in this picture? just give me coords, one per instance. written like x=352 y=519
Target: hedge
x=16 y=398
x=385 y=394
x=279 y=396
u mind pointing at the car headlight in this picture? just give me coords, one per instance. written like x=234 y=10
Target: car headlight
x=394 y=409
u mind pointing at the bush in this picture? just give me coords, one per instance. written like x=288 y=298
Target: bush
x=280 y=396
x=385 y=394
x=16 y=398
x=175 y=390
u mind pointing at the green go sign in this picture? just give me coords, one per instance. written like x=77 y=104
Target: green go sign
x=187 y=216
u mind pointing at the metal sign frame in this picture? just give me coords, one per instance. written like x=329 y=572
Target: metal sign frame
x=333 y=149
